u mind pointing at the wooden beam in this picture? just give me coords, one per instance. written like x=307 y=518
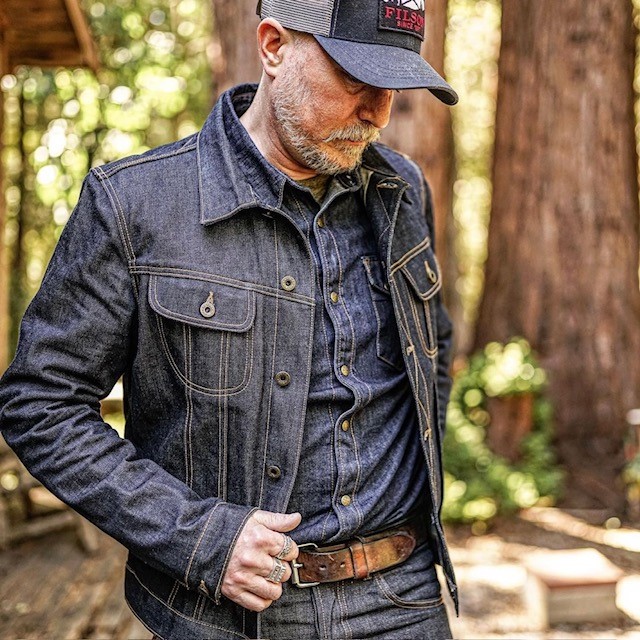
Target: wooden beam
x=4 y=259
x=81 y=27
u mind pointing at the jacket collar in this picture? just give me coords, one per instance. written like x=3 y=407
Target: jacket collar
x=233 y=175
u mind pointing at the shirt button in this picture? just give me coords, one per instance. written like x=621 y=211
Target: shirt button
x=345 y=425
x=345 y=501
x=274 y=472
x=344 y=370
x=288 y=283
x=320 y=222
x=334 y=297
x=283 y=379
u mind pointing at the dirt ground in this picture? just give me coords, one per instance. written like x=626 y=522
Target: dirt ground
x=52 y=590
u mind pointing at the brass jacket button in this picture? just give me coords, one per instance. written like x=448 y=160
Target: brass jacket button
x=288 y=283
x=283 y=379
x=274 y=472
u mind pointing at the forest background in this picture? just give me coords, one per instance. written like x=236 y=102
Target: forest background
x=535 y=180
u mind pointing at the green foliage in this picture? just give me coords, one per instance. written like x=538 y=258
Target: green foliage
x=478 y=483
x=153 y=88
x=471 y=65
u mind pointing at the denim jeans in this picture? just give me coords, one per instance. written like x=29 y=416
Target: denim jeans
x=400 y=603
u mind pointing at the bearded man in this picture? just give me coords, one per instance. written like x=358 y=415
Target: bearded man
x=268 y=291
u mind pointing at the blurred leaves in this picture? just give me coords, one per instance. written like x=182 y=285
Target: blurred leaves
x=478 y=483
x=152 y=89
x=471 y=65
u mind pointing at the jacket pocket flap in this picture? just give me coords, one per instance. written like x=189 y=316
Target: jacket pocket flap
x=423 y=273
x=210 y=305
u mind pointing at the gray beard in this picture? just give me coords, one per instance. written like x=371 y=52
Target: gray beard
x=285 y=100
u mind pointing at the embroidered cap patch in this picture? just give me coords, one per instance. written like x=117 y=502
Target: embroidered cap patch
x=406 y=16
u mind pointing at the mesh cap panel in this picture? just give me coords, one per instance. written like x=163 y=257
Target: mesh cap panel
x=310 y=16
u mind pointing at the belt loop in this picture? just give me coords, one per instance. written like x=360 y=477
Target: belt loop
x=359 y=558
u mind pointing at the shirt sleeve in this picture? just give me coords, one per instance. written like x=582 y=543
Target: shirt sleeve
x=77 y=338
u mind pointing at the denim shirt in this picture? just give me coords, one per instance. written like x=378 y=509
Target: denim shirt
x=344 y=486
x=181 y=271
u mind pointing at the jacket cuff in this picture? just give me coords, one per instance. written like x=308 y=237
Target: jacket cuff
x=212 y=551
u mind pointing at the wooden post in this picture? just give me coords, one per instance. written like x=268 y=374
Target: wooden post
x=4 y=265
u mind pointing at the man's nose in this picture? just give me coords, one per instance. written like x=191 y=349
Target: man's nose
x=375 y=107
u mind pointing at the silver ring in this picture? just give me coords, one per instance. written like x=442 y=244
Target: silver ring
x=286 y=547
x=277 y=573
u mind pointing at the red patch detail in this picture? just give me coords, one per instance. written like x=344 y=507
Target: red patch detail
x=406 y=16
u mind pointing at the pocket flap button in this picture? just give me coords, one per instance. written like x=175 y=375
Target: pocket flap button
x=430 y=272
x=208 y=309
x=288 y=283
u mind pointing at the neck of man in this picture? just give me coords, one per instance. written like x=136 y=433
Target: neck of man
x=259 y=122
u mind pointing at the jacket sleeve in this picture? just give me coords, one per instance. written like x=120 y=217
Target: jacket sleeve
x=444 y=326
x=76 y=339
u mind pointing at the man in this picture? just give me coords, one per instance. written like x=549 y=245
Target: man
x=268 y=291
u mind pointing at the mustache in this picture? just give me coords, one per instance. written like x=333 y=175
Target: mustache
x=356 y=132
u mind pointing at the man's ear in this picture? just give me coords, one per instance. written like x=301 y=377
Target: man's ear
x=273 y=42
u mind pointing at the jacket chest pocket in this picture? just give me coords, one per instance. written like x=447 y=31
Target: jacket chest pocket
x=422 y=274
x=206 y=330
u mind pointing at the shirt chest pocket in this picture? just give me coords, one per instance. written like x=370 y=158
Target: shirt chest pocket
x=388 y=346
x=422 y=274
x=206 y=331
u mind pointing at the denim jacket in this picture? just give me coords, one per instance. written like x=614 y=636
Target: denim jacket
x=180 y=272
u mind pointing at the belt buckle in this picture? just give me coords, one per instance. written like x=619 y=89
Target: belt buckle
x=295 y=576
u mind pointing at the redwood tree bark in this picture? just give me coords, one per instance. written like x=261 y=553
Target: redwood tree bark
x=234 y=56
x=563 y=239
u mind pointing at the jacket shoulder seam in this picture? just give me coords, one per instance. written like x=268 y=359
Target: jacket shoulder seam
x=116 y=167
x=123 y=231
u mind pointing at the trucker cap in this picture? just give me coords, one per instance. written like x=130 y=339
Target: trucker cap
x=376 y=41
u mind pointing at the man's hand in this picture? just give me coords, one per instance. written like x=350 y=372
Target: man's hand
x=260 y=541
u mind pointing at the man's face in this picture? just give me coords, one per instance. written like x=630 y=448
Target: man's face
x=324 y=118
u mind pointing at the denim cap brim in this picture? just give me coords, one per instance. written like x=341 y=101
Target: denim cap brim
x=387 y=67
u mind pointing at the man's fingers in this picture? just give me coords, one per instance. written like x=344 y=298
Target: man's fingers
x=279 y=546
x=252 y=602
x=278 y=521
x=265 y=589
x=266 y=570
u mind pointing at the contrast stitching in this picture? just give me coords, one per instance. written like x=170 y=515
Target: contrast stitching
x=118 y=166
x=273 y=365
x=188 y=274
x=179 y=613
x=410 y=254
x=248 y=338
x=195 y=549
x=189 y=413
x=405 y=604
x=243 y=326
x=174 y=592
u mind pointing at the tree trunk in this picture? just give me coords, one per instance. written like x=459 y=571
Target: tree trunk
x=421 y=127
x=234 y=54
x=563 y=239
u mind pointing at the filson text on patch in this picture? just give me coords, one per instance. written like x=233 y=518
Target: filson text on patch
x=403 y=15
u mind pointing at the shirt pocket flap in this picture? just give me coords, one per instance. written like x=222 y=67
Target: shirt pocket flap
x=375 y=274
x=201 y=303
x=423 y=273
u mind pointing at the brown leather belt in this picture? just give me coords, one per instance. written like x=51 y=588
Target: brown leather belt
x=357 y=558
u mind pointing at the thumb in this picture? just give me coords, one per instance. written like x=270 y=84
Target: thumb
x=278 y=521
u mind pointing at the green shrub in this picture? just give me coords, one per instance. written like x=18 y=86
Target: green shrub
x=479 y=484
